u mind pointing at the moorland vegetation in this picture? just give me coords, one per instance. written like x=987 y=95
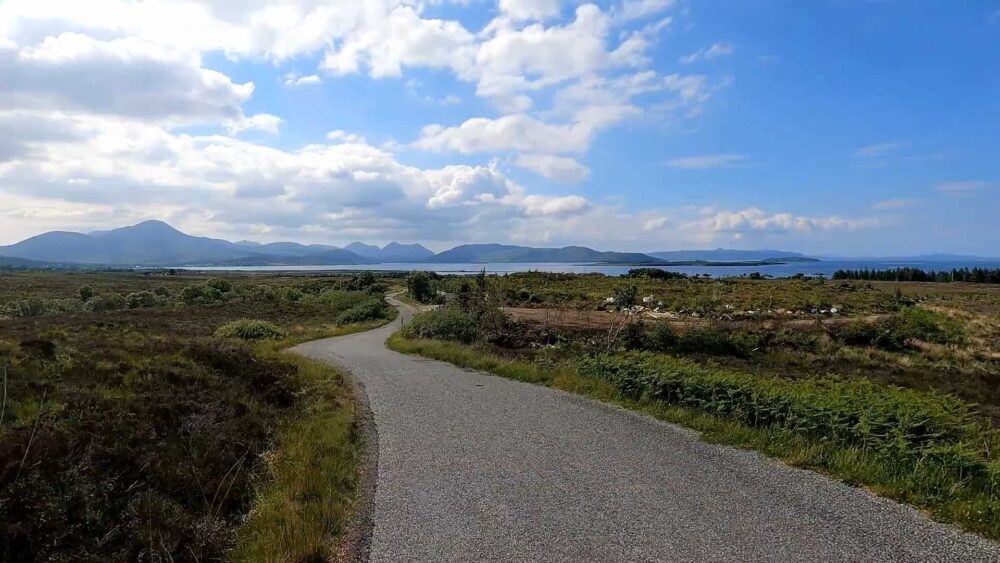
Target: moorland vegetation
x=157 y=417
x=888 y=385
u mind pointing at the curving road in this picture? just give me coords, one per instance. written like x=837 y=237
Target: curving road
x=472 y=467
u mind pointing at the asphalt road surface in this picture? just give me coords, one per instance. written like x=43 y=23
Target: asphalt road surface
x=472 y=467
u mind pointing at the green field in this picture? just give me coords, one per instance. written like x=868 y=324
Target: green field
x=159 y=419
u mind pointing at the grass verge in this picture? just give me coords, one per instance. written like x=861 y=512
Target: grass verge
x=966 y=499
x=306 y=495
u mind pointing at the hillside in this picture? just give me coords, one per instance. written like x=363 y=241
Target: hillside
x=392 y=252
x=477 y=253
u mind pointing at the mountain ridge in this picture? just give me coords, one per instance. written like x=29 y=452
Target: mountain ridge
x=156 y=243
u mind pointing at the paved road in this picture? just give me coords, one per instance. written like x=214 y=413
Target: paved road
x=473 y=467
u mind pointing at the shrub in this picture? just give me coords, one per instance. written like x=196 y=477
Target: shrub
x=86 y=293
x=444 y=323
x=161 y=291
x=201 y=294
x=418 y=286
x=140 y=300
x=660 y=338
x=362 y=281
x=716 y=341
x=106 y=302
x=632 y=336
x=926 y=325
x=893 y=332
x=220 y=284
x=368 y=310
x=655 y=274
x=249 y=329
x=31 y=307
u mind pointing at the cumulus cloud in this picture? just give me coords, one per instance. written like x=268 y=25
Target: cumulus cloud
x=130 y=77
x=529 y=9
x=753 y=219
x=556 y=168
x=293 y=79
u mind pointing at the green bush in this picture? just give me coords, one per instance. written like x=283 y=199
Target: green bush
x=660 y=338
x=106 y=302
x=926 y=325
x=31 y=307
x=140 y=300
x=632 y=336
x=418 y=286
x=716 y=341
x=894 y=331
x=86 y=293
x=370 y=309
x=203 y=294
x=858 y=413
x=250 y=329
x=443 y=323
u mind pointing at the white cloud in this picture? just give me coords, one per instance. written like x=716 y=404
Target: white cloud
x=713 y=51
x=706 y=162
x=130 y=77
x=529 y=9
x=536 y=205
x=556 y=168
x=385 y=41
x=340 y=136
x=294 y=79
x=518 y=132
x=755 y=220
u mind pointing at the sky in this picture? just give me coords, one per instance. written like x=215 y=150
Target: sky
x=831 y=127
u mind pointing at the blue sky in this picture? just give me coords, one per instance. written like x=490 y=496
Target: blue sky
x=848 y=127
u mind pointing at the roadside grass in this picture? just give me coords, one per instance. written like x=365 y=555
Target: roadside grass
x=948 y=485
x=305 y=492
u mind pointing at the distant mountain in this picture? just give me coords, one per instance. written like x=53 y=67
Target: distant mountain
x=478 y=253
x=362 y=249
x=395 y=252
x=392 y=252
x=155 y=243
x=730 y=255
x=285 y=248
x=151 y=242
x=335 y=256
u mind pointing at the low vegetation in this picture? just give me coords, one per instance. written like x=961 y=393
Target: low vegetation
x=155 y=417
x=869 y=393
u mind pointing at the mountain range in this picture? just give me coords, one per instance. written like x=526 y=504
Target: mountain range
x=155 y=243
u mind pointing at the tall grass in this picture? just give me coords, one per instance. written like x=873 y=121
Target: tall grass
x=308 y=492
